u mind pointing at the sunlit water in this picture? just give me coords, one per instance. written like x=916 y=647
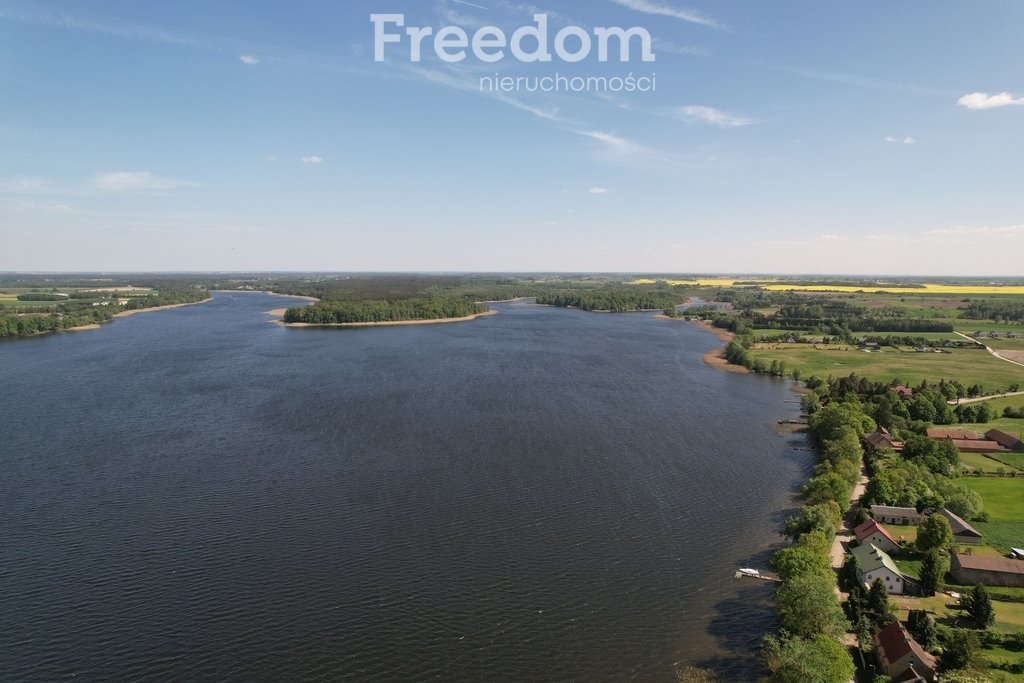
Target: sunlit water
x=541 y=495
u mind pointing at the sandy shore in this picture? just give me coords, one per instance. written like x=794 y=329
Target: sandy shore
x=716 y=357
x=395 y=323
x=124 y=314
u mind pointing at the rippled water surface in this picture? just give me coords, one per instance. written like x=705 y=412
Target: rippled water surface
x=540 y=495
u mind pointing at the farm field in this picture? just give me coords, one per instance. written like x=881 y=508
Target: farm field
x=980 y=461
x=1003 y=496
x=967 y=366
x=971 y=326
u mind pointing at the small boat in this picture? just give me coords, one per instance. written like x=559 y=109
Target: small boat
x=750 y=572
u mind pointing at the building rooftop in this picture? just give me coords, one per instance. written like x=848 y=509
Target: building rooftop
x=946 y=433
x=959 y=526
x=870 y=558
x=1001 y=565
x=895 y=643
x=869 y=527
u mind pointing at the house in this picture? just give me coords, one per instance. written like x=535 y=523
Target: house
x=1005 y=439
x=966 y=440
x=881 y=438
x=894 y=515
x=906 y=392
x=944 y=433
x=977 y=446
x=991 y=571
x=962 y=531
x=873 y=532
x=902 y=658
x=873 y=563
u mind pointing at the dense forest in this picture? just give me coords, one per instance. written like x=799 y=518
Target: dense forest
x=375 y=311
x=995 y=310
x=618 y=299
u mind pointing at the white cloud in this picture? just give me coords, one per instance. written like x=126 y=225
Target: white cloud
x=908 y=141
x=689 y=15
x=136 y=181
x=58 y=209
x=672 y=48
x=24 y=185
x=893 y=140
x=982 y=100
x=980 y=232
x=598 y=190
x=248 y=59
x=314 y=159
x=612 y=141
x=716 y=117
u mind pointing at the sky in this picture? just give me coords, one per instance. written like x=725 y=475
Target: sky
x=773 y=137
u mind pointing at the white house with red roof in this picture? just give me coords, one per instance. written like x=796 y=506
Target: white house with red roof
x=874 y=533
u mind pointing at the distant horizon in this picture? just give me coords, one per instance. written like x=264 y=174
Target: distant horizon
x=741 y=275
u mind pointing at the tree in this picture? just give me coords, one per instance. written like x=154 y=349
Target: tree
x=796 y=561
x=824 y=517
x=878 y=604
x=933 y=568
x=934 y=534
x=848 y=576
x=960 y=649
x=922 y=626
x=978 y=606
x=807 y=606
x=818 y=659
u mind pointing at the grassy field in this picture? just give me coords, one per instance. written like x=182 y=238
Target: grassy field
x=1004 y=502
x=1003 y=496
x=1005 y=344
x=979 y=461
x=967 y=366
x=971 y=326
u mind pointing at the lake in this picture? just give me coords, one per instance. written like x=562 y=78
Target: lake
x=541 y=495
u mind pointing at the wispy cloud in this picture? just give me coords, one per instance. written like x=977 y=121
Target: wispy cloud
x=660 y=9
x=894 y=140
x=136 y=181
x=978 y=232
x=868 y=82
x=716 y=117
x=598 y=190
x=982 y=100
x=22 y=185
x=312 y=159
x=619 y=149
x=661 y=45
x=249 y=59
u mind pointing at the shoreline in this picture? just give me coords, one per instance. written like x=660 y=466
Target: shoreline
x=716 y=357
x=385 y=323
x=262 y=291
x=134 y=311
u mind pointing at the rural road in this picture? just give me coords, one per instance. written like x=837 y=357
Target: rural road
x=845 y=533
x=990 y=350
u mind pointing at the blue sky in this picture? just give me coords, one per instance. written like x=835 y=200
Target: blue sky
x=805 y=136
